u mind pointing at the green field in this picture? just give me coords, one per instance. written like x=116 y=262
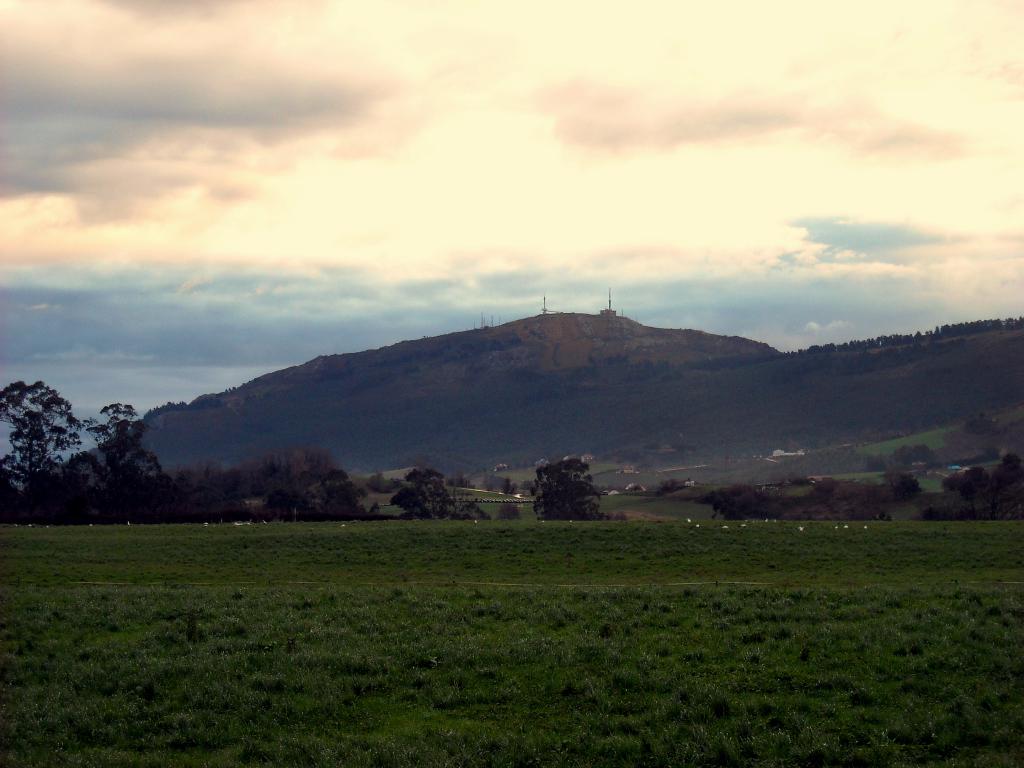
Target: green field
x=930 y=483
x=934 y=439
x=651 y=507
x=529 y=474
x=575 y=644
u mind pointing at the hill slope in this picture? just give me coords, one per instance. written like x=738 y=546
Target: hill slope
x=555 y=384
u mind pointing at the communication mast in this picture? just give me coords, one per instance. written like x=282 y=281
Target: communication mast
x=609 y=312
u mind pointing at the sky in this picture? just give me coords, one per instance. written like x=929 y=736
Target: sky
x=194 y=192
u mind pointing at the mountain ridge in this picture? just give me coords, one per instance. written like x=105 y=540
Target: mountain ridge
x=562 y=383
x=547 y=342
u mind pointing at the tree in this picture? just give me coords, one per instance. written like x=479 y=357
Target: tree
x=907 y=455
x=971 y=484
x=380 y=484
x=8 y=495
x=336 y=494
x=129 y=473
x=670 y=486
x=508 y=511
x=425 y=495
x=42 y=428
x=286 y=501
x=903 y=485
x=565 y=492
x=1005 y=492
x=741 y=502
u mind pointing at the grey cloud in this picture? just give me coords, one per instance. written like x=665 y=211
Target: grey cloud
x=64 y=113
x=135 y=332
x=232 y=320
x=178 y=7
x=875 y=238
x=602 y=117
x=877 y=137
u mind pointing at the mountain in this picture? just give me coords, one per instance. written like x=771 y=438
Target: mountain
x=603 y=384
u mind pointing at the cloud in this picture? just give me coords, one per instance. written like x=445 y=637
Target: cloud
x=135 y=330
x=127 y=110
x=603 y=117
x=196 y=111
x=193 y=284
x=829 y=327
x=164 y=8
x=843 y=237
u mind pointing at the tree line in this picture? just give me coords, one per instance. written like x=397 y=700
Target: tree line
x=975 y=493
x=985 y=494
x=948 y=331
x=47 y=477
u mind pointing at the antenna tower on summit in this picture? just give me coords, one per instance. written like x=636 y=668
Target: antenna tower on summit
x=609 y=312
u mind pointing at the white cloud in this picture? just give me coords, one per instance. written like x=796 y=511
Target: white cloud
x=830 y=327
x=193 y=284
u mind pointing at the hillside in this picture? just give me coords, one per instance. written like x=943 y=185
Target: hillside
x=555 y=384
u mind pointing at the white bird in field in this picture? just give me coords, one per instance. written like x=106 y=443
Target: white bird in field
x=688 y=520
x=846 y=526
x=800 y=527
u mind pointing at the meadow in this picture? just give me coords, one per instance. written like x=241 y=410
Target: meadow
x=523 y=643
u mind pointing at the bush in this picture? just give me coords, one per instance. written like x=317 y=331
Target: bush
x=508 y=512
x=902 y=485
x=907 y=455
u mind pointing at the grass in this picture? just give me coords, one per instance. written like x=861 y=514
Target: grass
x=1010 y=415
x=529 y=474
x=928 y=483
x=934 y=439
x=393 y=644
x=655 y=507
x=440 y=553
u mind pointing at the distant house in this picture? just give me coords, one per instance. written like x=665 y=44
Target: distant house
x=779 y=452
x=500 y=467
x=689 y=483
x=587 y=458
x=635 y=487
